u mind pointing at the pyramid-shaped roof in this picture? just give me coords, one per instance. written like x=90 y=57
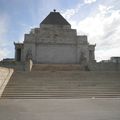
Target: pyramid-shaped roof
x=55 y=18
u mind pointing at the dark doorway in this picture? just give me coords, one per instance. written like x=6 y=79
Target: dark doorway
x=18 y=54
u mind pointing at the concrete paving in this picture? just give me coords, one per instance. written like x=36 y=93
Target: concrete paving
x=60 y=109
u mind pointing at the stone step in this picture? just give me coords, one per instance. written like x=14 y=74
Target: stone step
x=58 y=93
x=60 y=97
x=41 y=92
x=62 y=93
x=57 y=67
x=68 y=85
x=63 y=88
x=62 y=81
x=85 y=89
x=64 y=84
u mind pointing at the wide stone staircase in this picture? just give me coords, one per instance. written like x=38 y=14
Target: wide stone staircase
x=59 y=84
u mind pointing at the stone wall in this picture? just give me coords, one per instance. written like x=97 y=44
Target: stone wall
x=56 y=54
x=19 y=66
x=5 y=74
x=104 y=66
x=55 y=44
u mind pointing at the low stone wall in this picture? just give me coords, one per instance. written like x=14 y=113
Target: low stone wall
x=94 y=66
x=19 y=66
x=104 y=66
x=5 y=74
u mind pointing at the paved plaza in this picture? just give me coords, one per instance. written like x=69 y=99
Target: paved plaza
x=60 y=109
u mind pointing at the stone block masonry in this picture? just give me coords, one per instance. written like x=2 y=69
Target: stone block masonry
x=55 y=43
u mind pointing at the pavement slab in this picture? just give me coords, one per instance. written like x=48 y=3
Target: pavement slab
x=60 y=109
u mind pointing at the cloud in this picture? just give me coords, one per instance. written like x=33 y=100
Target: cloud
x=71 y=12
x=2 y=24
x=3 y=30
x=103 y=29
x=89 y=1
x=101 y=25
x=3 y=53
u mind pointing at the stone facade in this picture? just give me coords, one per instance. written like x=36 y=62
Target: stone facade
x=55 y=43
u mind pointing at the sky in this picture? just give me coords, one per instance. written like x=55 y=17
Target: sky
x=98 y=19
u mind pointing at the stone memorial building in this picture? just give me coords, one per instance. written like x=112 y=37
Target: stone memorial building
x=54 y=43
